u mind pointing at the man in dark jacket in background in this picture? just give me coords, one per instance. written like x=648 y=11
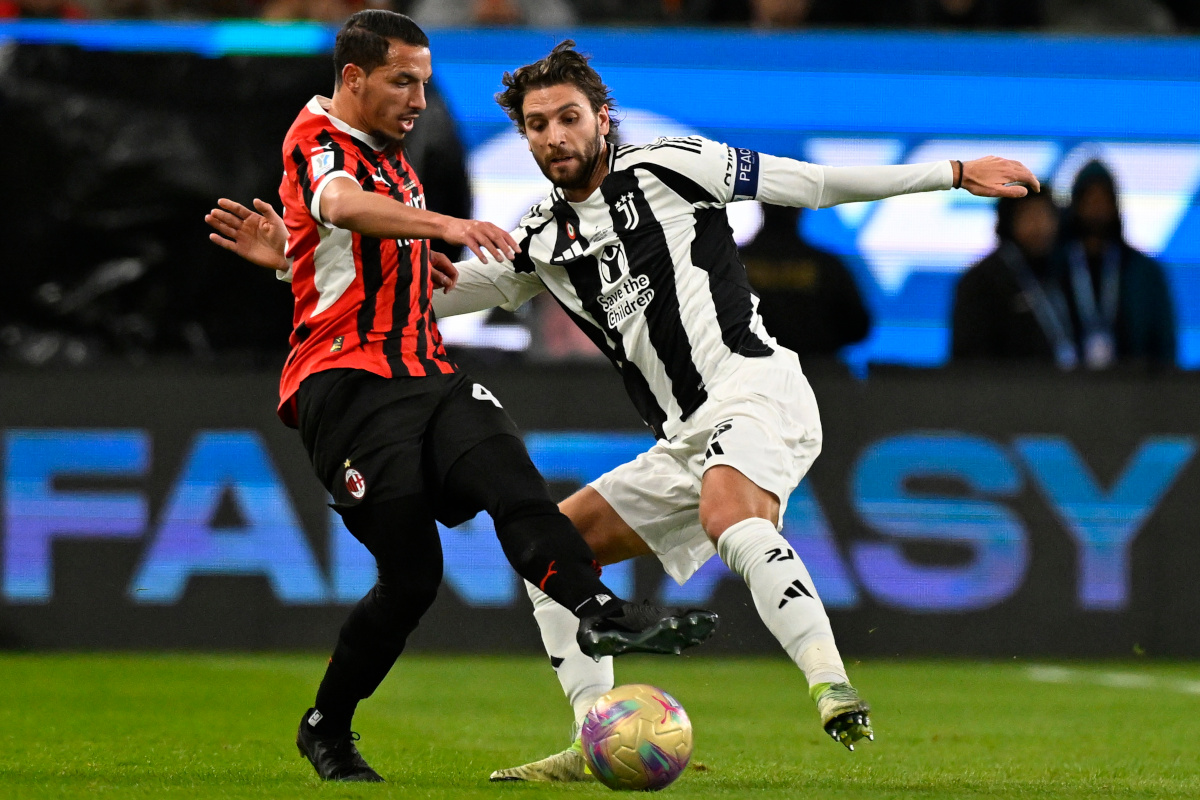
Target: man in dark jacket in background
x=807 y=297
x=1009 y=305
x=1117 y=297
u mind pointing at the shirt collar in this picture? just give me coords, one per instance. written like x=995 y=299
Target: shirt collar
x=317 y=106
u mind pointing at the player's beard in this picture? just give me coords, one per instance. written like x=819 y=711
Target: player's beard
x=588 y=161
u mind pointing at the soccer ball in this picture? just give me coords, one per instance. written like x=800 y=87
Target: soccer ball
x=637 y=737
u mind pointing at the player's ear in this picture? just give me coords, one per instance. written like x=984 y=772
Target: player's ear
x=602 y=119
x=352 y=77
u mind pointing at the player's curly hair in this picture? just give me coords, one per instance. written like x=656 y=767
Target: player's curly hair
x=563 y=65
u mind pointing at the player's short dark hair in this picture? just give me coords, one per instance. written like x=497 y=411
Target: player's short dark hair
x=563 y=65
x=364 y=40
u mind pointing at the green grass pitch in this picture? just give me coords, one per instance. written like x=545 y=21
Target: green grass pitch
x=222 y=726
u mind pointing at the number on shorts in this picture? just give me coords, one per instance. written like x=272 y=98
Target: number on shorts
x=480 y=392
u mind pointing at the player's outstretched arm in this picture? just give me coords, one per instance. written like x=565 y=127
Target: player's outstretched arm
x=344 y=204
x=992 y=176
x=259 y=237
x=786 y=182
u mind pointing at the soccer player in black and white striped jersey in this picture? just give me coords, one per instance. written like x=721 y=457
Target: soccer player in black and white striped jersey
x=635 y=245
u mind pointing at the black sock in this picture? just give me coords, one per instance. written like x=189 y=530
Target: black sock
x=539 y=541
x=602 y=605
x=335 y=705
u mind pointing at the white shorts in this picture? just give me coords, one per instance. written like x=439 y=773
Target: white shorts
x=767 y=427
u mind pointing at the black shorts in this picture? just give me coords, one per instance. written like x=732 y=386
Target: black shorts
x=372 y=438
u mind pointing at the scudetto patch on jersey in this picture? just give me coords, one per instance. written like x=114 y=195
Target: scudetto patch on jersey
x=745 y=184
x=355 y=484
x=321 y=163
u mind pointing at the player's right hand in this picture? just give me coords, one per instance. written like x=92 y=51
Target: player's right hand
x=479 y=237
x=260 y=237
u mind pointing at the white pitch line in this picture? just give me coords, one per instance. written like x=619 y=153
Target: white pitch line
x=1043 y=673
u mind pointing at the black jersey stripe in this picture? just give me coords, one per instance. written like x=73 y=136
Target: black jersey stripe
x=714 y=251
x=371 y=264
x=522 y=262
x=584 y=274
x=302 y=175
x=402 y=312
x=680 y=184
x=648 y=254
x=424 y=352
x=393 y=343
x=371 y=257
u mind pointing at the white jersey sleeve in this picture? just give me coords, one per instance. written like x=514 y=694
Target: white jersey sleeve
x=719 y=174
x=787 y=182
x=504 y=284
x=482 y=286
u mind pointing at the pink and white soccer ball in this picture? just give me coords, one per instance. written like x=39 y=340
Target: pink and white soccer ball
x=637 y=737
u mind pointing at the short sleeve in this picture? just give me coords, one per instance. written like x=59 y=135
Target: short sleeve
x=317 y=159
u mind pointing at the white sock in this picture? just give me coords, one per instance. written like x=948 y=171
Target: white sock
x=785 y=597
x=583 y=680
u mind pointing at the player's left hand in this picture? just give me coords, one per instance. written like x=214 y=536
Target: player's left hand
x=443 y=271
x=992 y=176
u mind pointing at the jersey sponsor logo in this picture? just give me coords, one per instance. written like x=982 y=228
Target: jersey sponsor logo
x=321 y=163
x=627 y=299
x=625 y=205
x=613 y=263
x=745 y=185
x=356 y=485
x=480 y=392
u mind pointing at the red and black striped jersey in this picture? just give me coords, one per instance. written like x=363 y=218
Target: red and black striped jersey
x=360 y=302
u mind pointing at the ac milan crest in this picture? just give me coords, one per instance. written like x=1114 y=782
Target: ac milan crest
x=355 y=484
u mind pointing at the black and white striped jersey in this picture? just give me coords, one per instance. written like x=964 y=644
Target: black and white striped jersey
x=648 y=268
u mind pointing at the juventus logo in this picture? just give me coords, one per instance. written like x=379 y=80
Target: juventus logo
x=794 y=591
x=625 y=205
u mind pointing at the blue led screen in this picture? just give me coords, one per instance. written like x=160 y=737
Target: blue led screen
x=841 y=99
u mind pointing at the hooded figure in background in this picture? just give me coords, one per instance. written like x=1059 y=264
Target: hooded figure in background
x=1009 y=305
x=1117 y=297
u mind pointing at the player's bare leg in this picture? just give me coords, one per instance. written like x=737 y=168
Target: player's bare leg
x=583 y=679
x=738 y=516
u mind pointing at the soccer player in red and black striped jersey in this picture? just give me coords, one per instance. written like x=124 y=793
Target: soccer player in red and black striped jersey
x=397 y=435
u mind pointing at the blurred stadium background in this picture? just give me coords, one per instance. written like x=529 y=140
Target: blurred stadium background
x=980 y=508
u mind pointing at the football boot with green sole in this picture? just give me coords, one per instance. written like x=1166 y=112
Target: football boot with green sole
x=844 y=715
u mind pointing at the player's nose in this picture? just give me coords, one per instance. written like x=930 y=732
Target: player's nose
x=416 y=99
